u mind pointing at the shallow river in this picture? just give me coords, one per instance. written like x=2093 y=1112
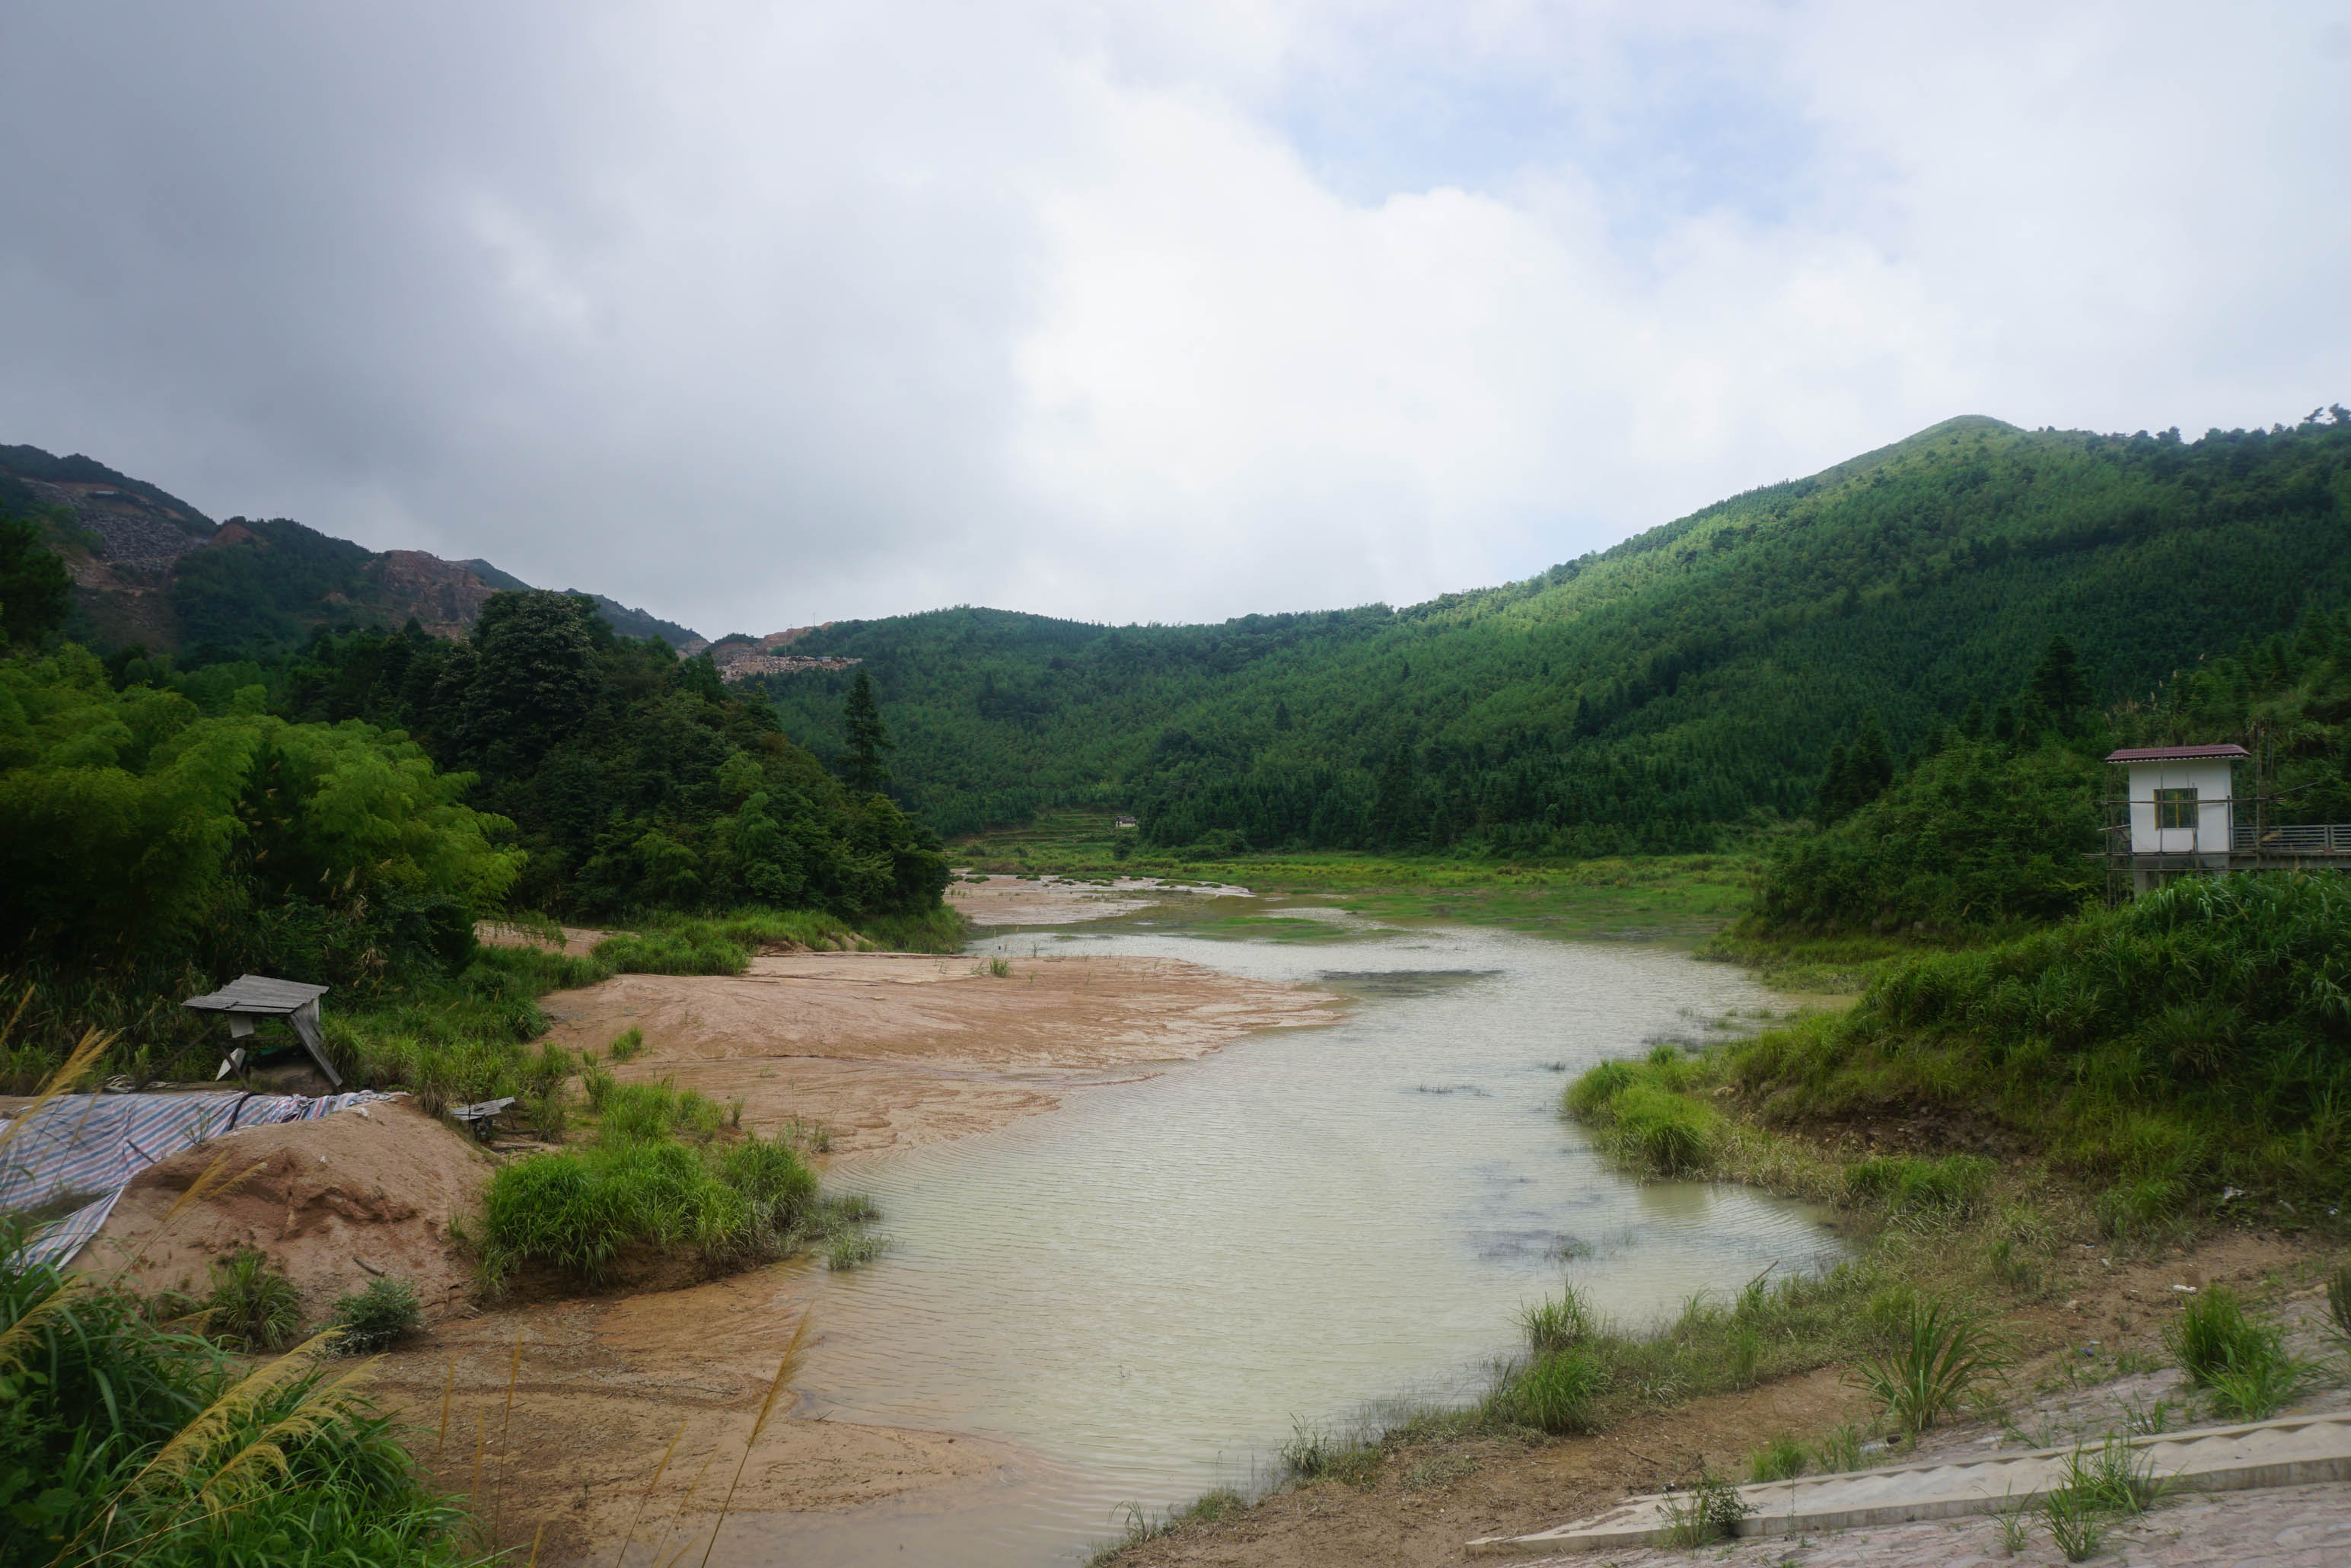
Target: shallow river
x=1150 y=1289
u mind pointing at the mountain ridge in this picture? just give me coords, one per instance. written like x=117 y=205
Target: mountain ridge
x=150 y=570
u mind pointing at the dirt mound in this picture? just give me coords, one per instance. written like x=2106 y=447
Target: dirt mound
x=364 y=1193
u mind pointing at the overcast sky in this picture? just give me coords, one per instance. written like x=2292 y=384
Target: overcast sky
x=757 y=315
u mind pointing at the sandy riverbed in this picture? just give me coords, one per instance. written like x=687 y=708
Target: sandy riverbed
x=885 y=1051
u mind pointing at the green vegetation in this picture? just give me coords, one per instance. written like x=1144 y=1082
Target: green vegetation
x=633 y=778
x=2243 y=1365
x=253 y=1305
x=2195 y=1037
x=1782 y=1458
x=2110 y=1482
x=377 y=1317
x=660 y=1179
x=1709 y=1512
x=1939 y=1356
x=1658 y=695
x=122 y=1442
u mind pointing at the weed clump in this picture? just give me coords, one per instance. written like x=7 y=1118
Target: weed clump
x=2244 y=1365
x=253 y=1305
x=1951 y=1186
x=1780 y=1459
x=125 y=1442
x=627 y=1044
x=1559 y=1393
x=1709 y=1512
x=1638 y=1115
x=379 y=1317
x=1939 y=1355
x=1557 y=1325
x=578 y=1210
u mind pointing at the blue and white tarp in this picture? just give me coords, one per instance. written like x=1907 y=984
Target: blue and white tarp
x=79 y=1150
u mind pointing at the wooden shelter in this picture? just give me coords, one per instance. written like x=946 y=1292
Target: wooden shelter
x=251 y=1000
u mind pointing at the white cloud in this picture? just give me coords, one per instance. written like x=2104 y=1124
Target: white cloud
x=759 y=316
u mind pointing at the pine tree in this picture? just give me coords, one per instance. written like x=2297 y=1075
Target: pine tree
x=861 y=720
x=2060 y=685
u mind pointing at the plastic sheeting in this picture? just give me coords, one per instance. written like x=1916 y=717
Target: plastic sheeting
x=70 y=1162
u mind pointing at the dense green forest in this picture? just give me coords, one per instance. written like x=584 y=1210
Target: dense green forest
x=1992 y=821
x=1652 y=696
x=346 y=813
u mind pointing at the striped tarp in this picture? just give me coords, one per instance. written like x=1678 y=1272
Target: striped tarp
x=72 y=1159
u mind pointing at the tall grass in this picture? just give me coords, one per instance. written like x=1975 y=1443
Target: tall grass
x=124 y=1443
x=2198 y=1035
x=1638 y=1116
x=2243 y=1365
x=729 y=1203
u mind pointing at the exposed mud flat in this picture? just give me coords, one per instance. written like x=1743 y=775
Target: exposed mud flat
x=886 y=1051
x=602 y=1387
x=1064 y=901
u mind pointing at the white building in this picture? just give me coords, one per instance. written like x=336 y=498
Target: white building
x=2182 y=808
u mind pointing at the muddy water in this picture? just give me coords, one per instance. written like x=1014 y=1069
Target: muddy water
x=1149 y=1289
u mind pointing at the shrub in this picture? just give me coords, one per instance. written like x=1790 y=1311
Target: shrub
x=627 y=1044
x=253 y=1305
x=2195 y=1036
x=377 y=1317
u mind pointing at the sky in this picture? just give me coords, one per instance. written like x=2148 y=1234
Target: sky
x=763 y=315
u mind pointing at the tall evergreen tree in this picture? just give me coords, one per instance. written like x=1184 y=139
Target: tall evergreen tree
x=863 y=767
x=35 y=592
x=2060 y=685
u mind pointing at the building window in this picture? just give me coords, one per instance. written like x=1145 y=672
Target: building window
x=2175 y=809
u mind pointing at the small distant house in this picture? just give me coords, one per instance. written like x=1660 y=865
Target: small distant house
x=2183 y=813
x=1121 y=825
x=2183 y=801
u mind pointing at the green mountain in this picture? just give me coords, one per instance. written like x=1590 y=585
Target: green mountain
x=1646 y=696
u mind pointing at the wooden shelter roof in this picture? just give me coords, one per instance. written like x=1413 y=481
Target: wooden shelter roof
x=259 y=994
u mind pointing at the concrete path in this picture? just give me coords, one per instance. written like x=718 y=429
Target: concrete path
x=2294 y=1451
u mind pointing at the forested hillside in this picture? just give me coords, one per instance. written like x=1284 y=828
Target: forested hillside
x=1647 y=696
x=150 y=572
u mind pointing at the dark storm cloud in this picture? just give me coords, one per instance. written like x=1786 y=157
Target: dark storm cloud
x=760 y=314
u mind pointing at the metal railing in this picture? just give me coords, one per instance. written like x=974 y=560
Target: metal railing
x=2295 y=839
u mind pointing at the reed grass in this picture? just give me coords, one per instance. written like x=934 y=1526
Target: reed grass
x=795 y=1354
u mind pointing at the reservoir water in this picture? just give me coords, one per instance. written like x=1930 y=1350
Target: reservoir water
x=1151 y=1288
